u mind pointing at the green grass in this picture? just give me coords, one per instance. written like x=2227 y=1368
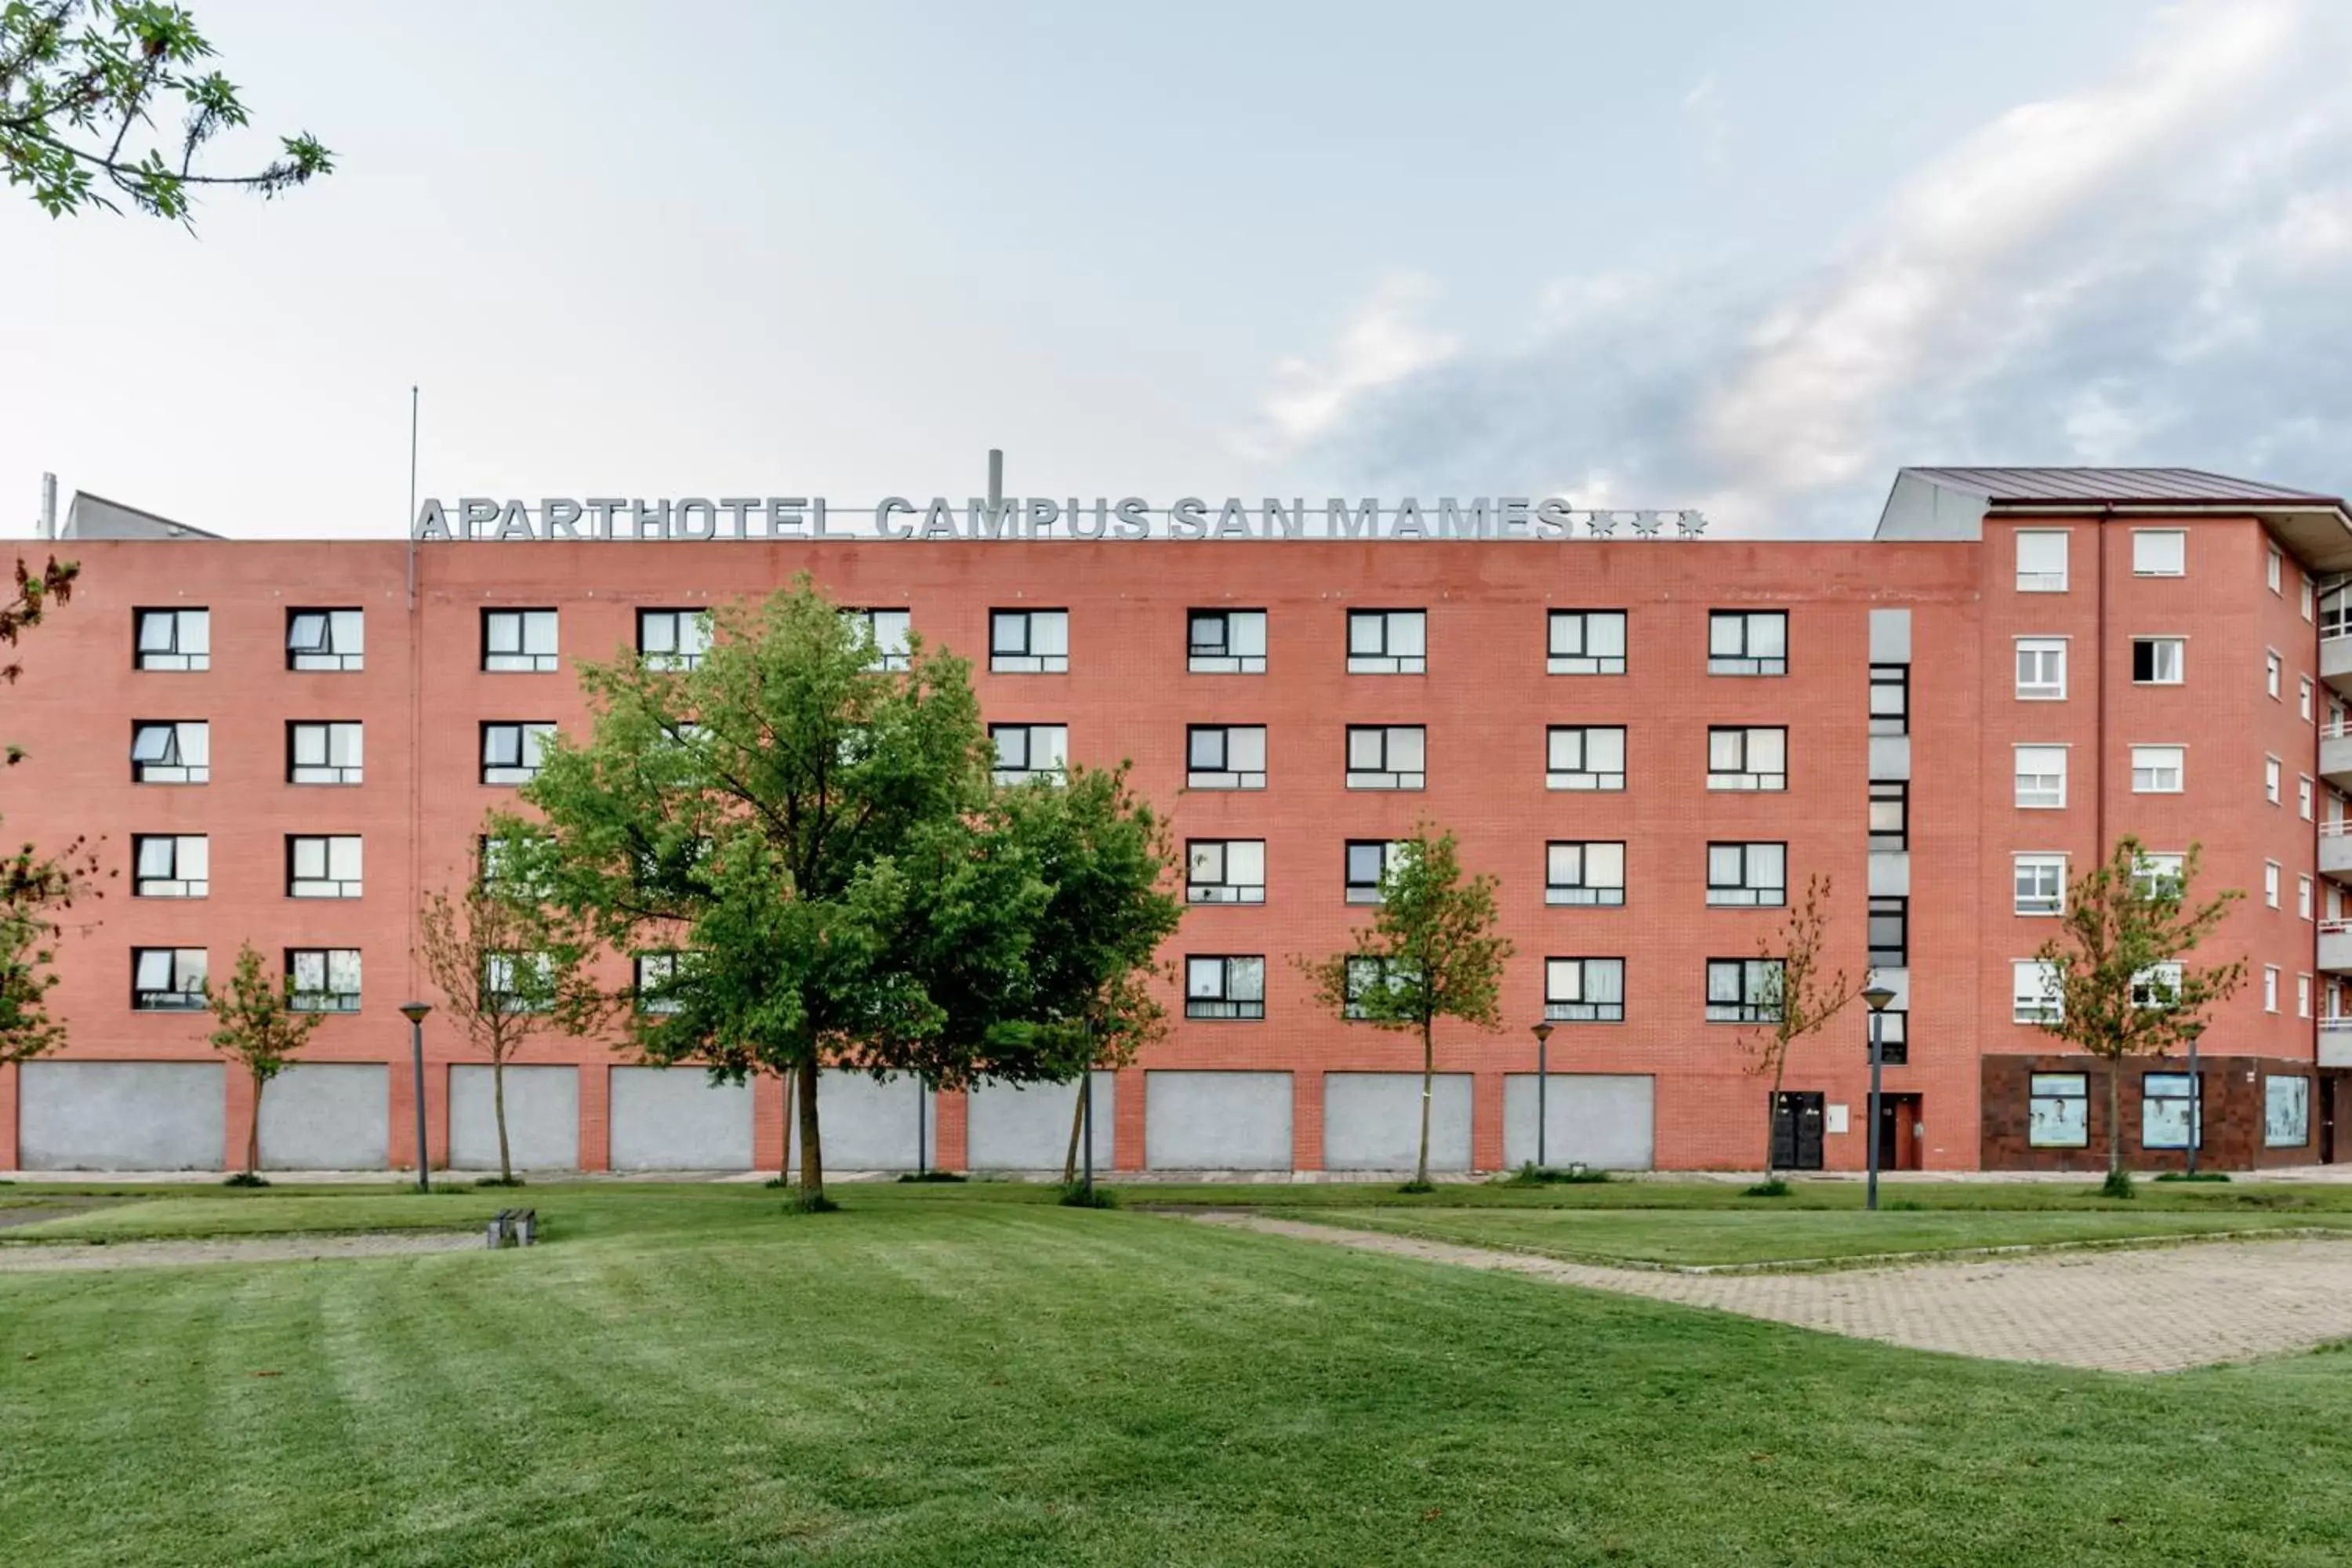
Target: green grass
x=975 y=1375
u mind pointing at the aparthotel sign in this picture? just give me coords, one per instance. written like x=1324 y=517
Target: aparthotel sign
x=485 y=519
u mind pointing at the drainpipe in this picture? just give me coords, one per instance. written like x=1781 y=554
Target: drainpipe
x=48 y=523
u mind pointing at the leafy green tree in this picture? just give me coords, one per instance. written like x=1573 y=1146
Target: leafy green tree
x=2115 y=985
x=82 y=84
x=1430 y=952
x=255 y=1023
x=1796 y=992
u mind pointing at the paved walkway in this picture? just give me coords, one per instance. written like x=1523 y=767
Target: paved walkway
x=2162 y=1309
x=35 y=1257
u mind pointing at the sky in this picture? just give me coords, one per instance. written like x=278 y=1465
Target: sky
x=1744 y=259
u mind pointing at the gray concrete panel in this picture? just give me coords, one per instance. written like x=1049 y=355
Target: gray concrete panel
x=1890 y=636
x=122 y=1116
x=1890 y=758
x=1372 y=1121
x=675 y=1119
x=1016 y=1127
x=542 y=1118
x=1602 y=1120
x=870 y=1126
x=327 y=1116
x=1890 y=874
x=1216 y=1121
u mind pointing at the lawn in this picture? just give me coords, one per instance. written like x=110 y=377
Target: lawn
x=968 y=1375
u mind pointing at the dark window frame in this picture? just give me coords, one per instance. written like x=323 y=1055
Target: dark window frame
x=1554 y=660
x=1745 y=847
x=1581 y=1009
x=1370 y=663
x=521 y=661
x=1224 y=1008
x=335 y=1001
x=189 y=663
x=1221 y=659
x=1744 y=663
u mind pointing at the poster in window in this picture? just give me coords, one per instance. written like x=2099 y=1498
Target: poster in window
x=2058 y=1114
x=2164 y=1110
x=2286 y=1112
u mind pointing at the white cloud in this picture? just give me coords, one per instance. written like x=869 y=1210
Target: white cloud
x=1383 y=345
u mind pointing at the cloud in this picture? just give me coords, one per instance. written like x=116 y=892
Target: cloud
x=1379 y=347
x=2157 y=269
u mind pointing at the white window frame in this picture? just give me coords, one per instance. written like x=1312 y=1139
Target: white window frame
x=2273 y=673
x=2030 y=873
x=172 y=640
x=1029 y=642
x=2156 y=865
x=322 y=979
x=1388 y=642
x=2273 y=779
x=2034 y=995
x=1733 y=763
x=2145 y=991
x=521 y=642
x=2018 y=777
x=325 y=752
x=2150 y=548
x=323 y=865
x=1569 y=757
x=2160 y=769
x=330 y=639
x=2305 y=793
x=1400 y=753
x=2041 y=580
x=649 y=972
x=177 y=750
x=529 y=743
x=2302 y=896
x=2158 y=642
x=2040 y=649
x=1238 y=647
x=1577 y=873
x=2310 y=597
x=2303 y=690
x=171 y=865
x=1044 y=753
x=1747 y=642
x=1225 y=871
x=1239 y=754
x=2273 y=875
x=1747 y=874
x=1584 y=990
x=2273 y=570
x=2270 y=988
x=1585 y=642
x=2303 y=996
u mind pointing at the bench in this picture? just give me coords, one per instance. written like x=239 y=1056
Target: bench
x=516 y=1227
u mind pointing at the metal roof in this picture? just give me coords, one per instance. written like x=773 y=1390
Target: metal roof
x=2118 y=486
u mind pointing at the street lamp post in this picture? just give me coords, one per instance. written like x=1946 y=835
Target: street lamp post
x=2190 y=1031
x=1542 y=1032
x=1878 y=996
x=414 y=1012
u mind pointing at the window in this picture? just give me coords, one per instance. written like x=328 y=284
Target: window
x=2041 y=670
x=1894 y=1037
x=2164 y=552
x=673 y=639
x=656 y=972
x=1747 y=759
x=1584 y=990
x=2273 y=670
x=1746 y=874
x=2034 y=992
x=1743 y=990
x=2155 y=987
x=2270 y=569
x=1388 y=642
x=1029 y=642
x=1224 y=756
x=2286 y=1112
x=322 y=867
x=2272 y=772
x=1368 y=864
x=2041 y=776
x=2334 y=612
x=1224 y=987
x=2310 y=593
x=1747 y=642
x=322 y=979
x=2159 y=876
x=2157 y=661
x=1030 y=752
x=174 y=639
x=171 y=865
x=2058 y=1111
x=2041 y=561
x=2270 y=987
x=1584 y=872
x=1890 y=816
x=1225 y=642
x=1586 y=642
x=518 y=640
x=511 y=752
x=2270 y=883
x=326 y=639
x=2302 y=697
x=519 y=981
x=170 y=751
x=889 y=630
x=2040 y=884
x=1587 y=756
x=2168 y=1112
x=2303 y=896
x=1364 y=975
x=1890 y=933
x=2304 y=790
x=1224 y=871
x=167 y=979
x=322 y=753
x=2303 y=996
x=1890 y=698
x=2155 y=770
x=1386 y=756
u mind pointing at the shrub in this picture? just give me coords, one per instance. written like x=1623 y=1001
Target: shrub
x=1534 y=1175
x=930 y=1176
x=2118 y=1185
x=2198 y=1177
x=1418 y=1187
x=807 y=1202
x=245 y=1179
x=497 y=1180
x=1078 y=1195
x=1774 y=1188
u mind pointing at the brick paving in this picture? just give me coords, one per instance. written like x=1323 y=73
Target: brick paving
x=2160 y=1309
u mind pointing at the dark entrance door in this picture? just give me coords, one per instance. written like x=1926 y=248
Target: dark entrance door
x=1797 y=1131
x=1899 y=1133
x=2330 y=1090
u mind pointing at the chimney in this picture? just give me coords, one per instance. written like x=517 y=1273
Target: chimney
x=48 y=525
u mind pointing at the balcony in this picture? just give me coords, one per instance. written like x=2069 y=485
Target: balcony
x=2336 y=754
x=2335 y=850
x=2335 y=660
x=2336 y=1042
x=2336 y=947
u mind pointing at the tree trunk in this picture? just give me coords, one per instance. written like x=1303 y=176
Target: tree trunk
x=1428 y=1083
x=498 y=1113
x=253 y=1133
x=1077 y=1128
x=2115 y=1116
x=812 y=1144
x=785 y=1160
x=1773 y=1110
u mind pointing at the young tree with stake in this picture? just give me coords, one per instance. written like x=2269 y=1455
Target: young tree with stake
x=1794 y=994
x=257 y=1023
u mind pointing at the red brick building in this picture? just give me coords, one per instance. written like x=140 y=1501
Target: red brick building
x=1652 y=743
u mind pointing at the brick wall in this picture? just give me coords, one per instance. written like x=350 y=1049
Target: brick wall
x=2234 y=1107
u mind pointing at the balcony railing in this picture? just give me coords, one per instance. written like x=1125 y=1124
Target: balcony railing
x=2336 y=829
x=2335 y=927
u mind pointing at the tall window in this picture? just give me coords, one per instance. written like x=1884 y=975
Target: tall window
x=1363 y=976
x=889 y=630
x=2041 y=561
x=322 y=979
x=1890 y=698
x=1584 y=990
x=2156 y=876
x=2273 y=672
x=1225 y=642
x=510 y=752
x=2304 y=794
x=1743 y=990
x=1368 y=863
x=2157 y=770
x=2041 y=776
x=1894 y=1037
x=1890 y=933
x=518 y=981
x=174 y=639
x=1029 y=754
x=1584 y=872
x=1387 y=756
x=2272 y=776
x=1747 y=642
x=2058 y=1111
x=2159 y=661
x=1586 y=642
x=2272 y=569
x=1584 y=756
x=1890 y=816
x=2271 y=884
x=2040 y=884
x=2167 y=1110
x=171 y=865
x=170 y=751
x=2035 y=995
x=2041 y=670
x=323 y=866
x=167 y=979
x=2270 y=987
x=1224 y=871
x=1029 y=642
x=655 y=974
x=2303 y=896
x=1747 y=759
x=1224 y=756
x=673 y=639
x=2163 y=553
x=2302 y=697
x=322 y=752
x=326 y=639
x=1224 y=986
x=1747 y=875
x=519 y=640
x=1388 y=642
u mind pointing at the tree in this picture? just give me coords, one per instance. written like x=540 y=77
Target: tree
x=1785 y=996
x=81 y=83
x=1429 y=954
x=2114 y=982
x=508 y=966
x=813 y=845
x=258 y=1026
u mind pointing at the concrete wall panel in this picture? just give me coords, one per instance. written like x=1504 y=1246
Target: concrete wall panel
x=327 y=1116
x=542 y=1118
x=1013 y=1127
x=122 y=1116
x=1372 y=1121
x=1606 y=1121
x=1216 y=1121
x=869 y=1126
x=675 y=1119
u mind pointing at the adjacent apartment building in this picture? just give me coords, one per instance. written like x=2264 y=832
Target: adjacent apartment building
x=1652 y=743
